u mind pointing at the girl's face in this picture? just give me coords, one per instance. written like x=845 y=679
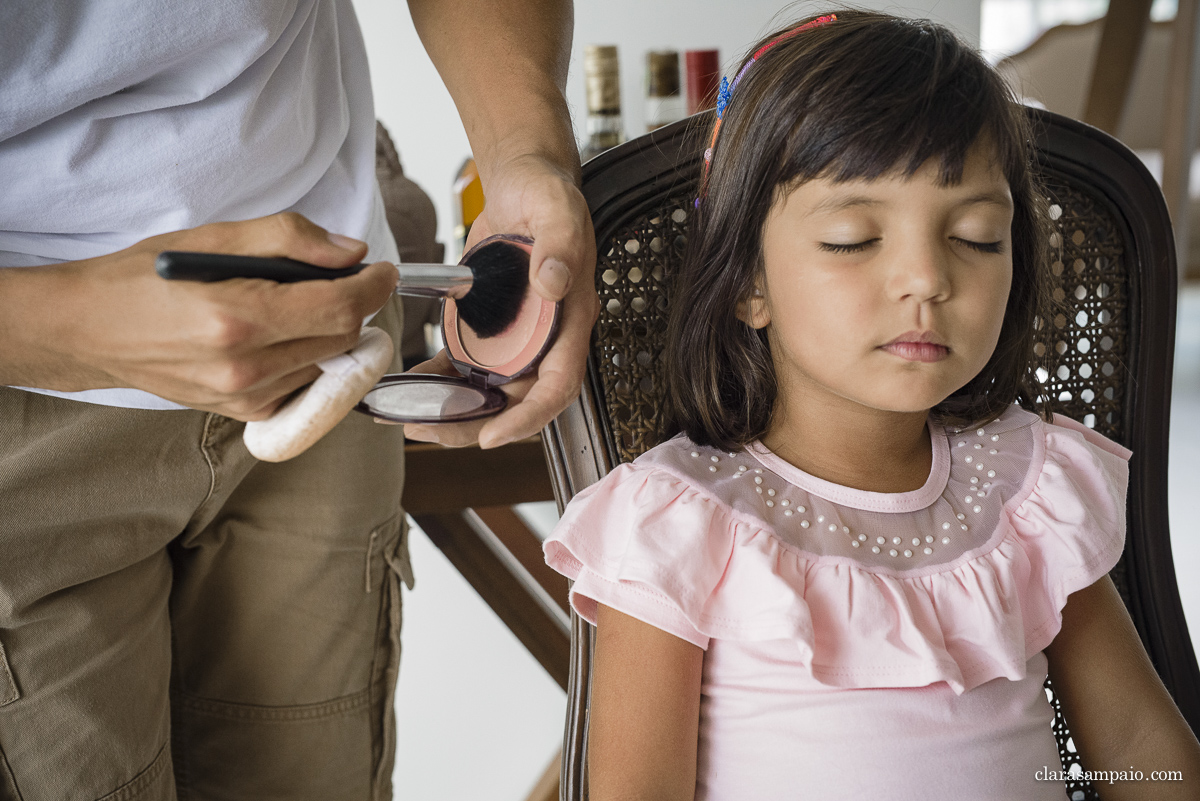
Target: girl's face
x=888 y=293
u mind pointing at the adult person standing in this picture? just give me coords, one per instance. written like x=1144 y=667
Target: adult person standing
x=176 y=619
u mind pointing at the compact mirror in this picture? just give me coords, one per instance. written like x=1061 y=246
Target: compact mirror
x=485 y=363
x=413 y=398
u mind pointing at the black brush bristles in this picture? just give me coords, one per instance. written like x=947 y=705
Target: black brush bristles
x=500 y=279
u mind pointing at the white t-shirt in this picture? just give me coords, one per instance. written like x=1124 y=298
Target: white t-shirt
x=122 y=119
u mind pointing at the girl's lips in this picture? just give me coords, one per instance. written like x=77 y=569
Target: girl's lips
x=917 y=351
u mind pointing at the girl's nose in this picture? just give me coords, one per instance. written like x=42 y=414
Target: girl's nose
x=921 y=273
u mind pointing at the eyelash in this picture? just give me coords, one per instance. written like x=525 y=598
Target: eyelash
x=857 y=247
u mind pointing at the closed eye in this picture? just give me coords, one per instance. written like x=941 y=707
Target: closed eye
x=854 y=247
x=982 y=247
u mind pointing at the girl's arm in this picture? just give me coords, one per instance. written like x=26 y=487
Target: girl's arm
x=1121 y=716
x=645 y=712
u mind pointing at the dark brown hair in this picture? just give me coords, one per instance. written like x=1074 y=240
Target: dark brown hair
x=865 y=96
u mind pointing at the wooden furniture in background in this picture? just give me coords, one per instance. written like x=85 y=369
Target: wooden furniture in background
x=462 y=499
x=1123 y=31
x=1179 y=135
x=1134 y=79
x=1114 y=270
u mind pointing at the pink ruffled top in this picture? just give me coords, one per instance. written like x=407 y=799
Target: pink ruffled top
x=860 y=642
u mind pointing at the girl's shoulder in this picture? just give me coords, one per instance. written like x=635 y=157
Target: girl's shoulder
x=976 y=565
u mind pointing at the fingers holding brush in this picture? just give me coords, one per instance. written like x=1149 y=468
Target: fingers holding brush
x=559 y=376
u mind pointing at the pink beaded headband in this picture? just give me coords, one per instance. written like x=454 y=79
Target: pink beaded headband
x=723 y=96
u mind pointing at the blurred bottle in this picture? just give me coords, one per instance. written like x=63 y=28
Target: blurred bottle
x=468 y=203
x=605 y=128
x=664 y=95
x=703 y=79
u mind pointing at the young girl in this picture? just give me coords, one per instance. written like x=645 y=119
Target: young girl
x=850 y=573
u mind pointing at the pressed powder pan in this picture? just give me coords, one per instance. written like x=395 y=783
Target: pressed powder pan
x=485 y=363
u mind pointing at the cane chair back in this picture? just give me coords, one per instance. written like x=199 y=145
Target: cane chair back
x=1110 y=368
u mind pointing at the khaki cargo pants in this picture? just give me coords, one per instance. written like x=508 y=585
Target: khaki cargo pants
x=178 y=620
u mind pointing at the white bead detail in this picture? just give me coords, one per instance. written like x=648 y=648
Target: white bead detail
x=907 y=552
x=896 y=540
x=787 y=513
x=916 y=540
x=771 y=493
x=695 y=454
x=854 y=543
x=960 y=515
x=845 y=529
x=874 y=549
x=995 y=437
x=929 y=537
x=976 y=509
x=980 y=432
x=974 y=480
x=712 y=468
x=758 y=479
x=978 y=446
x=785 y=503
x=991 y=474
x=945 y=525
x=987 y=484
x=801 y=509
x=714 y=458
x=862 y=537
x=962 y=444
x=892 y=552
x=969 y=459
x=758 y=470
x=758 y=490
x=993 y=451
x=966 y=499
x=928 y=551
x=803 y=524
x=980 y=467
x=833 y=527
x=741 y=468
x=770 y=504
x=820 y=518
x=964 y=527
x=945 y=540
x=881 y=540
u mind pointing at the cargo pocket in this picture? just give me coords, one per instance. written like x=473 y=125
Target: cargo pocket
x=390 y=543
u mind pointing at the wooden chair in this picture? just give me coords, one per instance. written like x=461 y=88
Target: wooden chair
x=1114 y=265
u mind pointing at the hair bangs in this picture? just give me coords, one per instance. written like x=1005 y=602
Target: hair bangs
x=899 y=102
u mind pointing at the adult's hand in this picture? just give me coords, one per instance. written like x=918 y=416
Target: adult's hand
x=531 y=196
x=237 y=347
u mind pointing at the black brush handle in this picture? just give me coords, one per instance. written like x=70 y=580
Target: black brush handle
x=178 y=265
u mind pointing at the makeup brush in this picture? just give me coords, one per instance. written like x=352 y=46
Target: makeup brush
x=488 y=285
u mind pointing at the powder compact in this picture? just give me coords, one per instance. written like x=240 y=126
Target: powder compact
x=484 y=363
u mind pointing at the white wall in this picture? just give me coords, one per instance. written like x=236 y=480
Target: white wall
x=421 y=117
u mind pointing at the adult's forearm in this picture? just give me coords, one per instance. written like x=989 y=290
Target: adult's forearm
x=505 y=64
x=33 y=350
